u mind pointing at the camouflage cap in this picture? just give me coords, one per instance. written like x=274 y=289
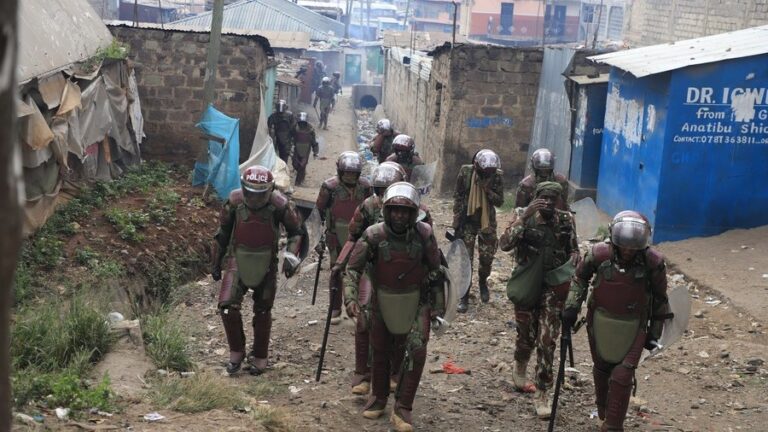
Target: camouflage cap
x=549 y=186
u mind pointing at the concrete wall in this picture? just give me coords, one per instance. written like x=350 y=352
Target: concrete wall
x=488 y=100
x=170 y=69
x=652 y=22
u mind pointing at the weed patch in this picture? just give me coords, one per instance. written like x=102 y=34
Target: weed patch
x=200 y=392
x=162 y=207
x=166 y=342
x=128 y=223
x=273 y=419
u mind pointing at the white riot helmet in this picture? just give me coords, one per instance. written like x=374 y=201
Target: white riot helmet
x=630 y=230
x=302 y=116
x=282 y=106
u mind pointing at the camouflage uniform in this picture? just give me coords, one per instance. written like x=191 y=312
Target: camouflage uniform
x=468 y=228
x=408 y=163
x=280 y=125
x=326 y=95
x=622 y=294
x=527 y=187
x=540 y=325
x=382 y=145
x=304 y=140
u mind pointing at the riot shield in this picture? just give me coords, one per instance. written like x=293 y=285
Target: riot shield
x=423 y=176
x=680 y=306
x=459 y=274
x=314 y=228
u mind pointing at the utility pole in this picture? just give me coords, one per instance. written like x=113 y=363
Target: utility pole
x=209 y=82
x=347 y=18
x=597 y=29
x=10 y=188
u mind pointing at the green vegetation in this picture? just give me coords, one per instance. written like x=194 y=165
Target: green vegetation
x=509 y=202
x=127 y=223
x=162 y=207
x=273 y=419
x=165 y=342
x=115 y=50
x=53 y=347
x=200 y=392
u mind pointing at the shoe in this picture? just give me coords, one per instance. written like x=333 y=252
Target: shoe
x=233 y=367
x=374 y=411
x=401 y=422
x=335 y=317
x=518 y=375
x=256 y=366
x=463 y=305
x=485 y=296
x=362 y=389
x=543 y=405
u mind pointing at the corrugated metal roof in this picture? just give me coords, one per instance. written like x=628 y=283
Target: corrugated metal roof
x=421 y=65
x=656 y=59
x=56 y=33
x=587 y=79
x=276 y=15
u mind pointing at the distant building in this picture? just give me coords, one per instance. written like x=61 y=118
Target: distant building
x=522 y=20
x=434 y=16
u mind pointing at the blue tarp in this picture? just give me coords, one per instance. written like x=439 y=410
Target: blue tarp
x=221 y=170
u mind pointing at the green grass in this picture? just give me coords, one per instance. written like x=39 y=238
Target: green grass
x=53 y=346
x=200 y=392
x=162 y=207
x=165 y=342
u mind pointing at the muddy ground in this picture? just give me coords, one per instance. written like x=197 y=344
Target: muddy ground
x=712 y=380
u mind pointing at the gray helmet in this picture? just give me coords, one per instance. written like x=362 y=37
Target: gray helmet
x=302 y=116
x=630 y=230
x=349 y=161
x=326 y=80
x=386 y=174
x=403 y=143
x=282 y=106
x=402 y=194
x=487 y=161
x=398 y=167
x=383 y=125
x=543 y=159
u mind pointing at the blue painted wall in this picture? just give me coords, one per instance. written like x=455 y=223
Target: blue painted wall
x=633 y=136
x=716 y=150
x=688 y=148
x=588 y=135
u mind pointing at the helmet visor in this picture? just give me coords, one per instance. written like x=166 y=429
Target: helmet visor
x=630 y=233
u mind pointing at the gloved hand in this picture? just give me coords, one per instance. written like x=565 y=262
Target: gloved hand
x=568 y=317
x=216 y=274
x=353 y=309
x=315 y=155
x=651 y=343
x=320 y=248
x=289 y=269
x=436 y=312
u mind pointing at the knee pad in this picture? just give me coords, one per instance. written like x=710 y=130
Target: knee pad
x=623 y=375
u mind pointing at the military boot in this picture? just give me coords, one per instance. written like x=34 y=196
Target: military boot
x=485 y=296
x=363 y=388
x=463 y=304
x=605 y=428
x=543 y=405
x=374 y=409
x=518 y=375
x=401 y=419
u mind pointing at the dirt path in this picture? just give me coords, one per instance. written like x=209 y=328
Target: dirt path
x=734 y=263
x=713 y=380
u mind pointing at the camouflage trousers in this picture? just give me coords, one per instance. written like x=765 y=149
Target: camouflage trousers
x=540 y=328
x=487 y=243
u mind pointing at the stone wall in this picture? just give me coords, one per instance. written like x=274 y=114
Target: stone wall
x=476 y=97
x=170 y=69
x=660 y=21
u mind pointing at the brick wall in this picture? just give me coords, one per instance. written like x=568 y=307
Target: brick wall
x=652 y=22
x=170 y=71
x=487 y=100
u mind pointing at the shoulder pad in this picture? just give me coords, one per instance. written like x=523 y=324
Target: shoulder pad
x=236 y=197
x=331 y=183
x=364 y=182
x=424 y=230
x=290 y=113
x=376 y=233
x=392 y=157
x=560 y=178
x=602 y=252
x=371 y=203
x=653 y=258
x=528 y=182
x=278 y=200
x=417 y=159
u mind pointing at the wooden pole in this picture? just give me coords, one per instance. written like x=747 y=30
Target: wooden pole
x=209 y=82
x=10 y=188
